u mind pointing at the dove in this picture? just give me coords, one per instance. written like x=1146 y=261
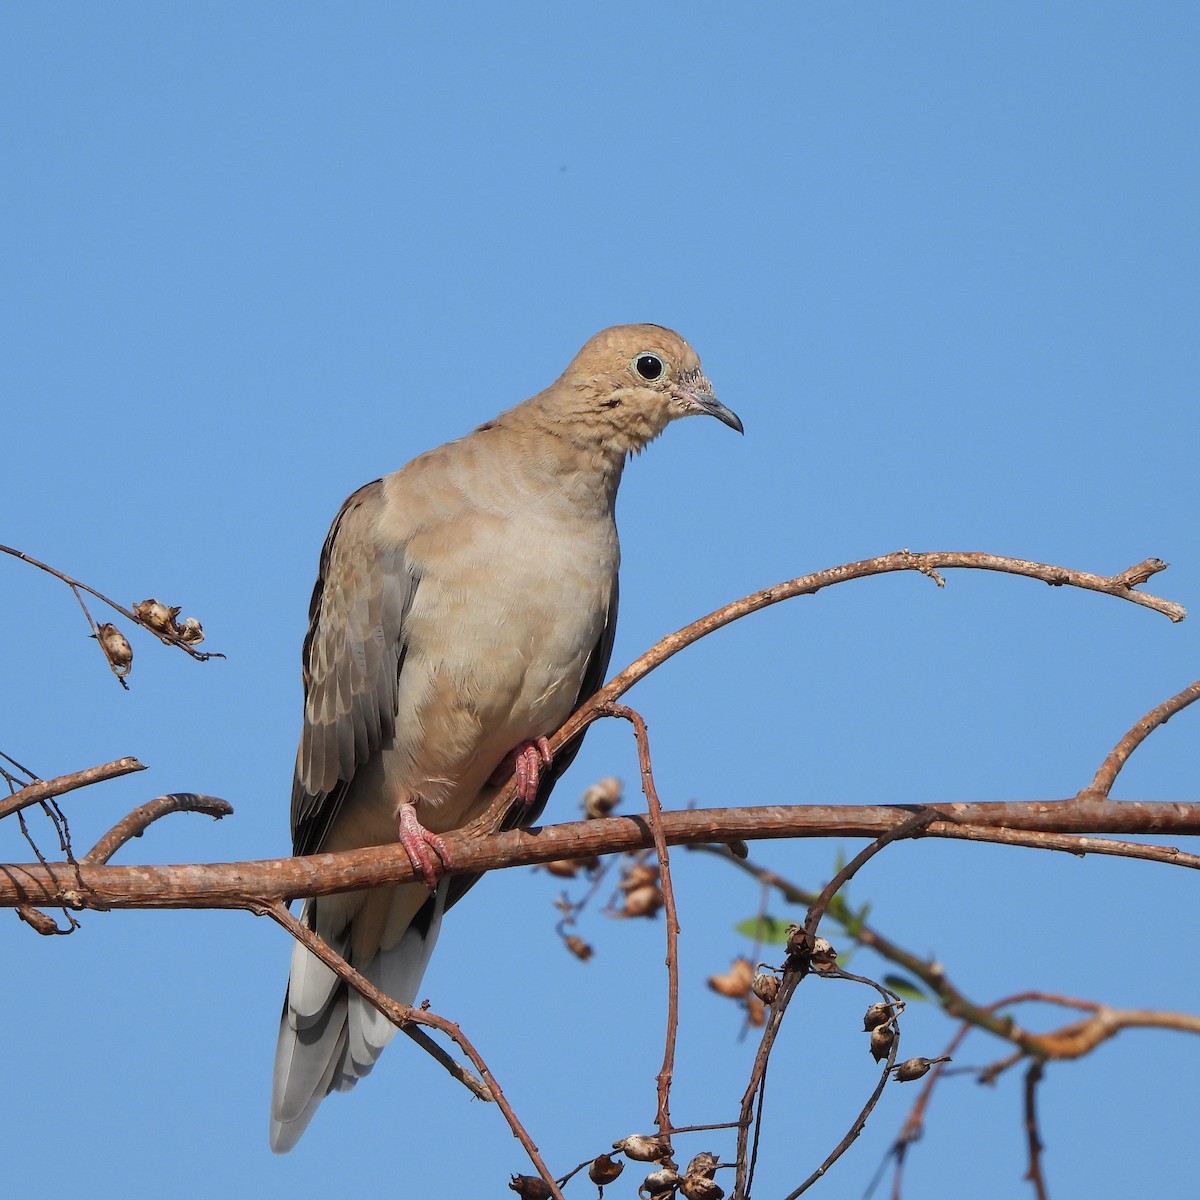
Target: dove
x=465 y=606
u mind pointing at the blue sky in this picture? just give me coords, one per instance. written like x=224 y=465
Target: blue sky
x=942 y=260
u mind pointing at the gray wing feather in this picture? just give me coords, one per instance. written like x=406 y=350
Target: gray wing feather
x=352 y=658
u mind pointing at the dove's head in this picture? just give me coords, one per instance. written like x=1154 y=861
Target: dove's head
x=628 y=383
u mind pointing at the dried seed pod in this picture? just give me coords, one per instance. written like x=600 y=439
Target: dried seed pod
x=914 y=1068
x=798 y=941
x=703 y=1164
x=765 y=986
x=876 y=1015
x=157 y=616
x=700 y=1187
x=659 y=1183
x=823 y=953
x=190 y=633
x=116 y=648
x=604 y=1169
x=643 y=1147
x=642 y=901
x=562 y=868
x=578 y=947
x=601 y=798
x=756 y=1012
x=530 y=1187
x=882 y=1037
x=736 y=983
x=639 y=875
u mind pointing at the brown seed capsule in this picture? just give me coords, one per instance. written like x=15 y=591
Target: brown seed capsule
x=604 y=1169
x=882 y=1038
x=642 y=1147
x=578 y=947
x=914 y=1068
x=703 y=1164
x=876 y=1015
x=736 y=983
x=823 y=953
x=157 y=616
x=190 y=633
x=642 y=901
x=530 y=1187
x=700 y=1187
x=756 y=1012
x=765 y=987
x=639 y=875
x=601 y=798
x=116 y=648
x=562 y=868
x=659 y=1183
x=798 y=941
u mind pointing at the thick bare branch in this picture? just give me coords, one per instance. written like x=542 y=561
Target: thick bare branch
x=234 y=885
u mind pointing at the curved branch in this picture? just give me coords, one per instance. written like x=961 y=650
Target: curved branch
x=142 y=817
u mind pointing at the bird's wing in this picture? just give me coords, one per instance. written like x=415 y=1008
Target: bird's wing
x=353 y=656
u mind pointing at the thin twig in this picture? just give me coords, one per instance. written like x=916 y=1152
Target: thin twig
x=663 y=1117
x=43 y=789
x=860 y=1121
x=1032 y=1078
x=138 y=821
x=1102 y=784
x=76 y=586
x=401 y=1015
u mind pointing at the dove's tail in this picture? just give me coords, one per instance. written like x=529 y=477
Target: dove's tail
x=329 y=1036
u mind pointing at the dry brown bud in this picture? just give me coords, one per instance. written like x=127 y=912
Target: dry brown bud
x=756 y=1012
x=765 y=987
x=876 y=1015
x=601 y=798
x=604 y=1169
x=116 y=648
x=642 y=1147
x=659 y=1183
x=882 y=1037
x=914 y=1068
x=736 y=983
x=563 y=868
x=578 y=947
x=530 y=1187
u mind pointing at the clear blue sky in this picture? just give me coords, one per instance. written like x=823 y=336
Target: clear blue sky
x=942 y=259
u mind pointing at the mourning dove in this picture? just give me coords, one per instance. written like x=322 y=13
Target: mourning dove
x=465 y=606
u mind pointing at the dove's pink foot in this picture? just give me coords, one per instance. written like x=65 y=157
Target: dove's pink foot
x=417 y=842
x=526 y=762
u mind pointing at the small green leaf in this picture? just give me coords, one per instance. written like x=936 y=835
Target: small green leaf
x=771 y=931
x=856 y=921
x=905 y=988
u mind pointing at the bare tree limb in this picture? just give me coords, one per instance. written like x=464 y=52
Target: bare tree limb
x=138 y=821
x=234 y=885
x=44 y=789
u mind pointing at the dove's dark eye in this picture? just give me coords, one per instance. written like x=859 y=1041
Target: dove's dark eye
x=648 y=366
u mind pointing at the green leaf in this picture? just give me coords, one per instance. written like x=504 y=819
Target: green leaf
x=904 y=988
x=771 y=931
x=856 y=921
